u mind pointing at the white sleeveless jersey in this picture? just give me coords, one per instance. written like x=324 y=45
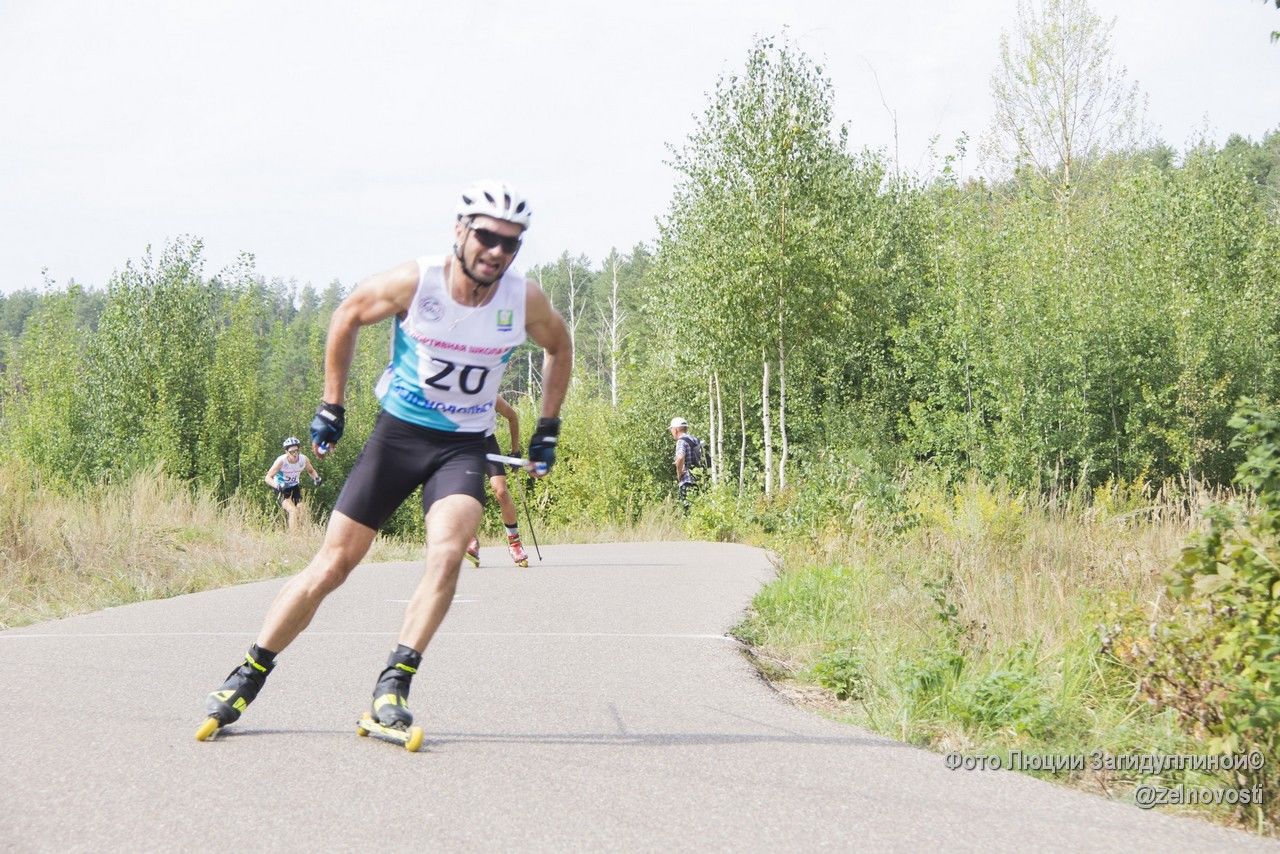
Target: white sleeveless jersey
x=447 y=359
x=291 y=471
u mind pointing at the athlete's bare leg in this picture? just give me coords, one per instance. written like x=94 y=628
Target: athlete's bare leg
x=345 y=543
x=451 y=523
x=290 y=512
x=503 y=494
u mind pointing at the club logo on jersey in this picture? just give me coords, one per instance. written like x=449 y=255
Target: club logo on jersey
x=430 y=307
x=506 y=317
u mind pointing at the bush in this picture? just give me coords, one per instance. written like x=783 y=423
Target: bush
x=1011 y=698
x=1214 y=655
x=842 y=672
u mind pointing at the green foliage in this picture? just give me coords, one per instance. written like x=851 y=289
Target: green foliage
x=720 y=513
x=232 y=444
x=150 y=363
x=601 y=477
x=45 y=408
x=1011 y=698
x=1214 y=655
x=1075 y=346
x=842 y=672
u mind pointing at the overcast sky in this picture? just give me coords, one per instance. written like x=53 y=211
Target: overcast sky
x=330 y=139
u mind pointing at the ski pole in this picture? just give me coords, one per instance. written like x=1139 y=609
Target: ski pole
x=518 y=462
x=528 y=515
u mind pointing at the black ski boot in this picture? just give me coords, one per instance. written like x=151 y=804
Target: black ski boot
x=391 y=694
x=224 y=705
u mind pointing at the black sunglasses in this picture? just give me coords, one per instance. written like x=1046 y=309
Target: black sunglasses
x=489 y=239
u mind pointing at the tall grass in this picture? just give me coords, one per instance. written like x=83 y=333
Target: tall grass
x=65 y=551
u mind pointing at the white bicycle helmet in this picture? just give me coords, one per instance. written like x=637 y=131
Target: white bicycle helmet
x=497 y=199
x=290 y=442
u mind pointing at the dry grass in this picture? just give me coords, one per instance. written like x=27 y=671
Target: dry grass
x=1029 y=569
x=151 y=537
x=1015 y=568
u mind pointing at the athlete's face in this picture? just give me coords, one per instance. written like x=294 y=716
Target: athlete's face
x=293 y=452
x=488 y=246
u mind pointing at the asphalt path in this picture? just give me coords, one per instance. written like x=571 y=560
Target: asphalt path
x=590 y=702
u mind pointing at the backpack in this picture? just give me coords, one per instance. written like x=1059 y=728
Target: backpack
x=695 y=452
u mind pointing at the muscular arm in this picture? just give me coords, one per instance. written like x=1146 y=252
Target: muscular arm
x=271 y=472
x=374 y=299
x=508 y=412
x=548 y=330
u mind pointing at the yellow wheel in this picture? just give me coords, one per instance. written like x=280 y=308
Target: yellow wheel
x=208 y=728
x=415 y=739
x=360 y=730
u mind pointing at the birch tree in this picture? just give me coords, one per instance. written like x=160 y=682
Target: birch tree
x=749 y=252
x=1061 y=99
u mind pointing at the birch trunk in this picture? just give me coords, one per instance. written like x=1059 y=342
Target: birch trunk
x=742 y=446
x=782 y=414
x=717 y=453
x=711 y=421
x=766 y=428
x=573 y=316
x=615 y=329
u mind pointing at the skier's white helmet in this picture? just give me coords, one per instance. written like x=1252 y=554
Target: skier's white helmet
x=497 y=199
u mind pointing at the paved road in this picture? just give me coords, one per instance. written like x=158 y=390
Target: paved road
x=590 y=702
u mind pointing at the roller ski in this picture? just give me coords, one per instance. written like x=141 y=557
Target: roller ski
x=390 y=718
x=517 y=550
x=473 y=552
x=410 y=738
x=224 y=705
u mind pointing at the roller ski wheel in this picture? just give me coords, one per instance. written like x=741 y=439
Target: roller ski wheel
x=208 y=729
x=410 y=738
x=516 y=548
x=473 y=552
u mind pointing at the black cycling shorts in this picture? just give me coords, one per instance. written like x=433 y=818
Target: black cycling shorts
x=289 y=493
x=398 y=458
x=491 y=447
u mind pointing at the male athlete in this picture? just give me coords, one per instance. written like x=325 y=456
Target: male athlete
x=458 y=317
x=285 y=474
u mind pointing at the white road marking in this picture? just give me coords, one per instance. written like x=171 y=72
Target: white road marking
x=81 y=636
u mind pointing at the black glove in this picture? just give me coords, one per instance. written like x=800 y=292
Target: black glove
x=327 y=426
x=542 y=447
x=515 y=452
